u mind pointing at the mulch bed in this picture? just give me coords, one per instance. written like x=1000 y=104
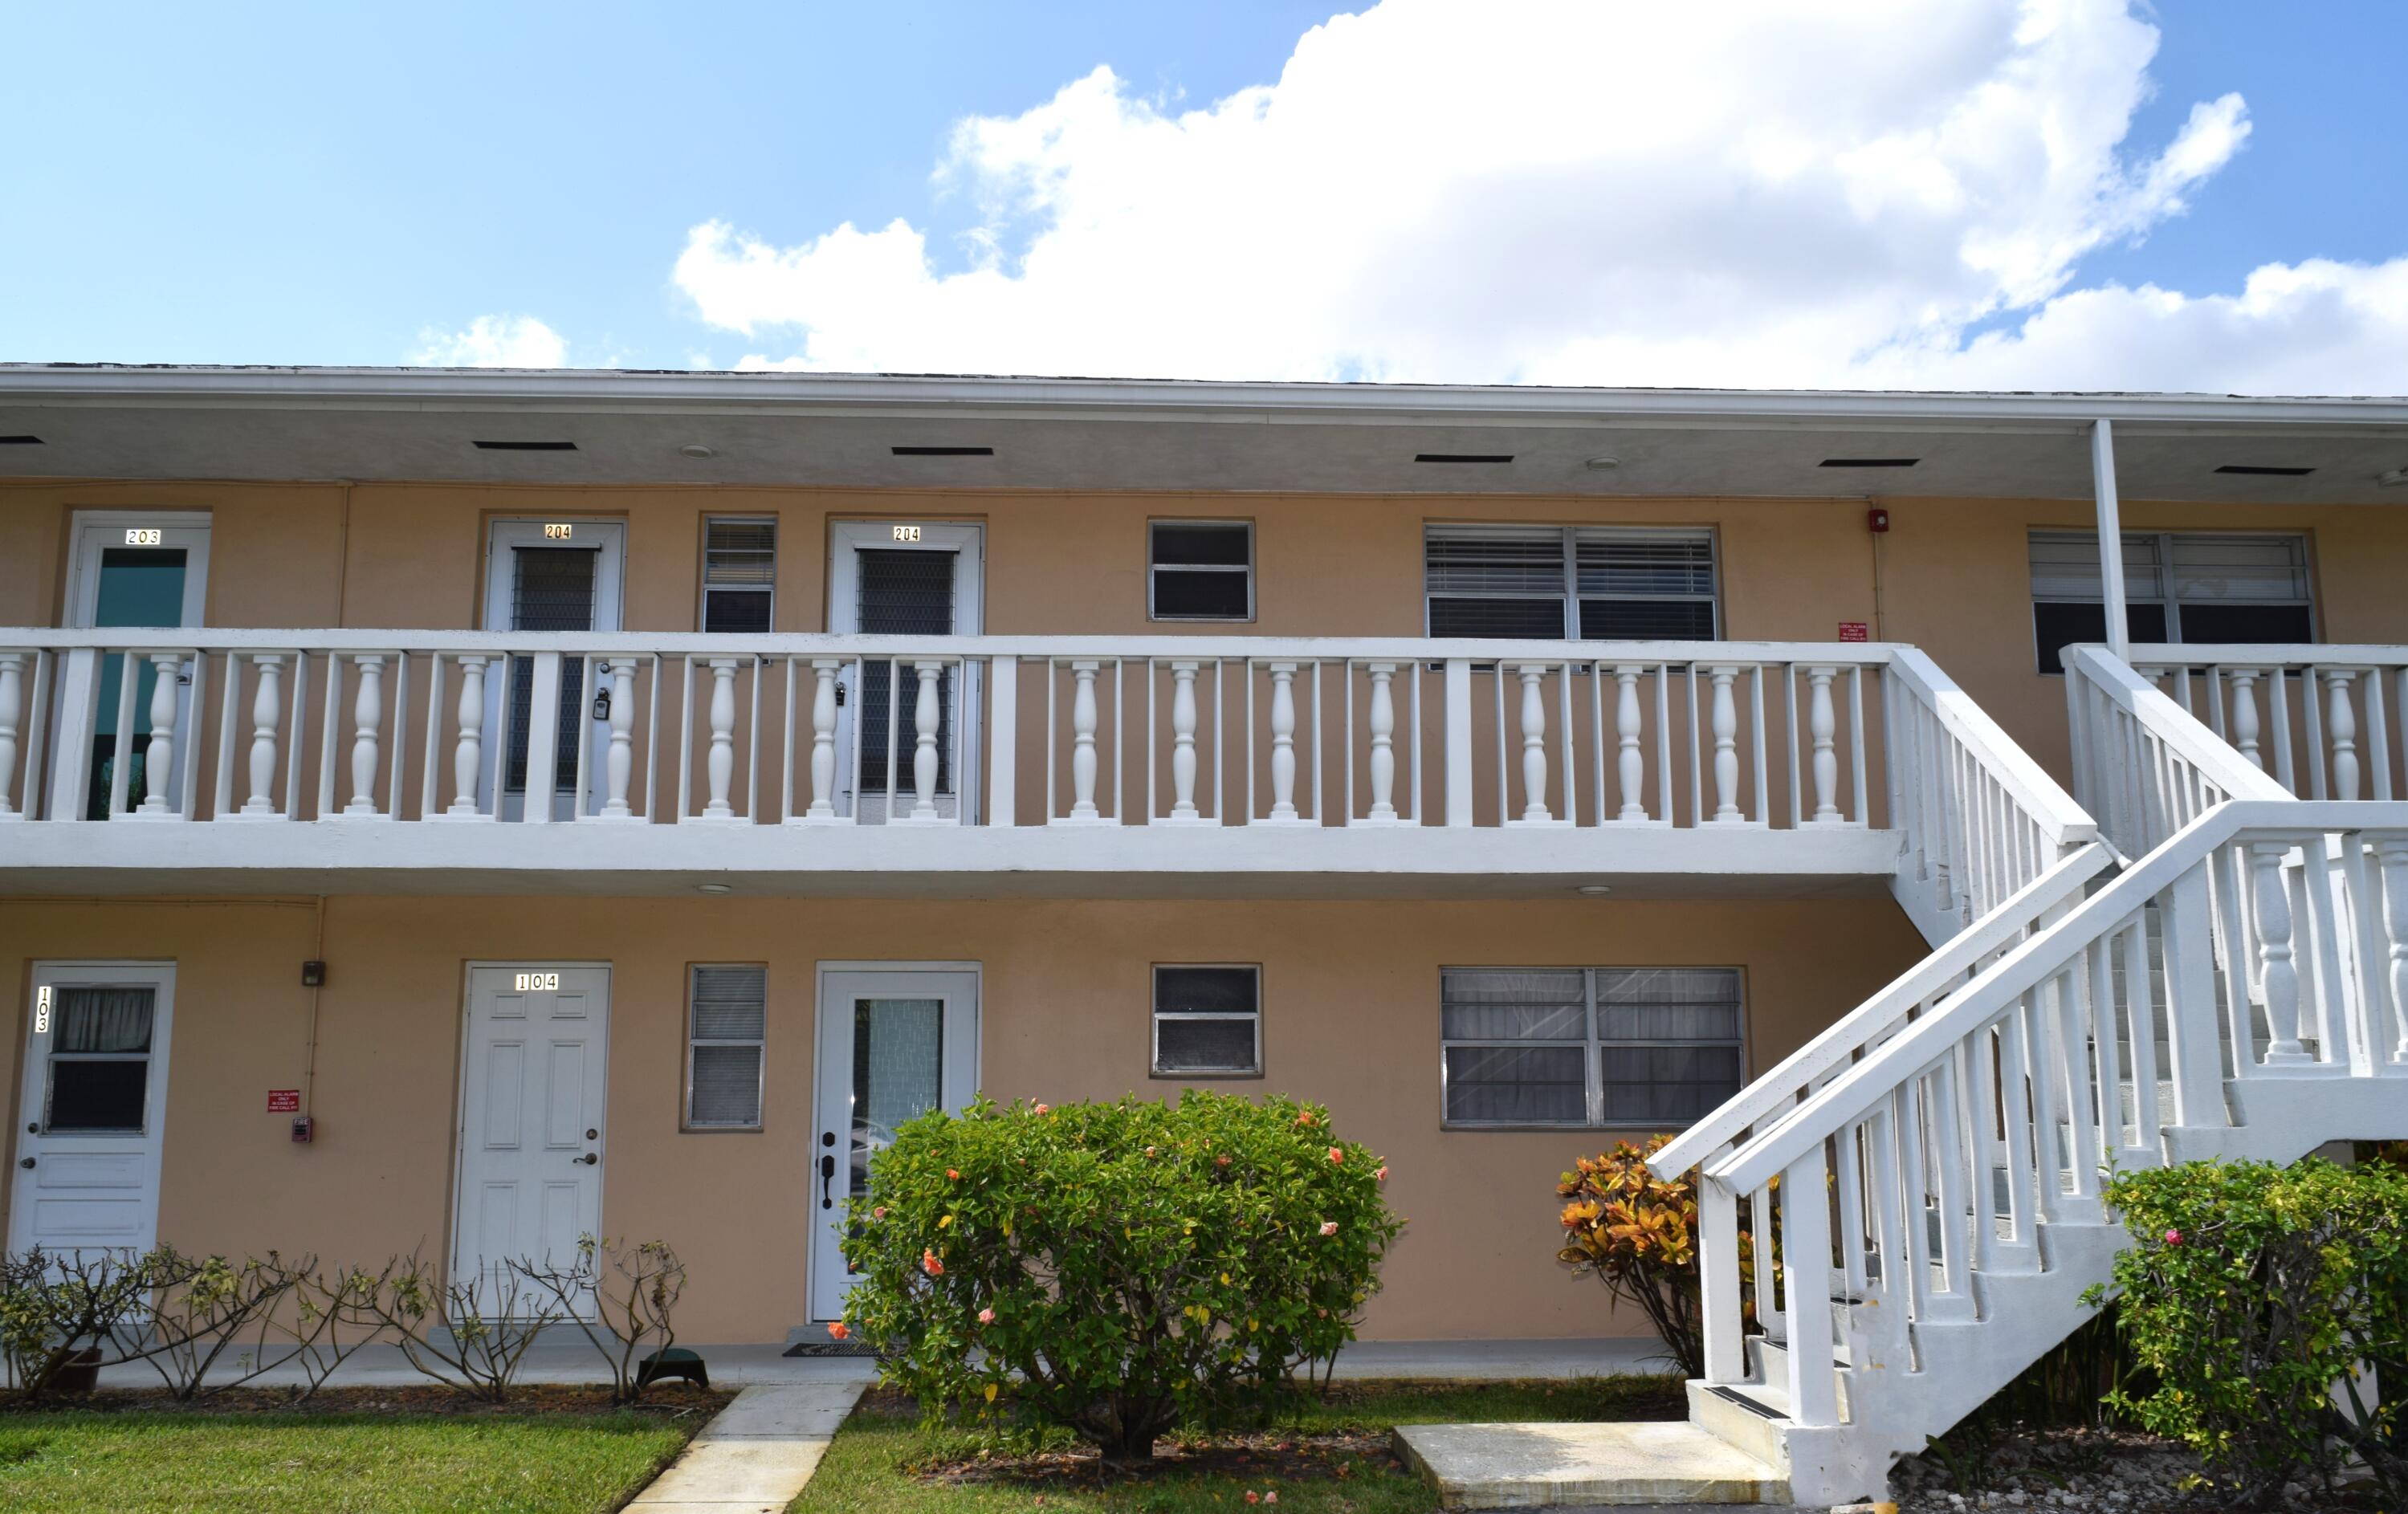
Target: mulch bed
x=2113 y=1471
x=670 y=1401
x=1270 y=1457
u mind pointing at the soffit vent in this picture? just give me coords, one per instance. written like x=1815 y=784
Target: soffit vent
x=2263 y=470
x=943 y=451
x=526 y=446
x=1869 y=462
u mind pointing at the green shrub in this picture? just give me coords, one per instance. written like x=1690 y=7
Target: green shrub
x=1134 y=1266
x=2253 y=1291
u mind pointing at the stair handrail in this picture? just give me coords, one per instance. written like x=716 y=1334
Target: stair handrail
x=2141 y=763
x=1866 y=1026
x=1851 y=1096
x=2063 y=820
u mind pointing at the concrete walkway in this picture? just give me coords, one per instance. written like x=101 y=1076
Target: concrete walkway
x=1653 y=1465
x=757 y=1454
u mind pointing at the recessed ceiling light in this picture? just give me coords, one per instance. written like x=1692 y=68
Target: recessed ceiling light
x=1595 y=891
x=20 y=441
x=2261 y=470
x=943 y=451
x=715 y=888
x=1463 y=457
x=2392 y=479
x=698 y=450
x=526 y=446
x=1603 y=463
x=1869 y=462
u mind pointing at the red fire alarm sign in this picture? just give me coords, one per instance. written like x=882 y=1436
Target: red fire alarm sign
x=283 y=1101
x=1854 y=631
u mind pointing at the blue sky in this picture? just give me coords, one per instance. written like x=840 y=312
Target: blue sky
x=358 y=184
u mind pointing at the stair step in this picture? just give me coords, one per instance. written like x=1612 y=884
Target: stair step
x=1749 y=1415
x=1543 y=1465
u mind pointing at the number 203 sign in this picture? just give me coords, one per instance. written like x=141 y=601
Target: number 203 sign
x=539 y=982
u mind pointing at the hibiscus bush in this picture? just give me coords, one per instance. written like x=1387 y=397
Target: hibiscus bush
x=1116 y=1268
x=2255 y=1294
x=1637 y=1234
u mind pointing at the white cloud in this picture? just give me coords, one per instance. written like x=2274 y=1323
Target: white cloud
x=494 y=342
x=1750 y=192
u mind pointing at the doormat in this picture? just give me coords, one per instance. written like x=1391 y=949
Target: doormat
x=830 y=1348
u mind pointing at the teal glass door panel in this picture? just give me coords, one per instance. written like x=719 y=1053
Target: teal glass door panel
x=139 y=586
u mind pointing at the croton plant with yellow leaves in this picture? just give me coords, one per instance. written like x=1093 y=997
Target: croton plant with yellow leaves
x=1637 y=1234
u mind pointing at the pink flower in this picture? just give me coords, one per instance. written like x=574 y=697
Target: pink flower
x=2174 y=1238
x=839 y=1331
x=1271 y=1497
x=986 y=1316
x=1221 y=1161
x=1253 y=1497
x=1382 y=1173
x=929 y=1265
x=1337 y=1155
x=878 y=1213
x=1304 y=1117
x=1042 y=1110
x=1330 y=1227
x=953 y=1173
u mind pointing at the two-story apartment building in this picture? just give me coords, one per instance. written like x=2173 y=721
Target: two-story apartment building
x=451 y=810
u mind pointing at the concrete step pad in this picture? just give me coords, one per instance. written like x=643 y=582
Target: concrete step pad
x=1541 y=1465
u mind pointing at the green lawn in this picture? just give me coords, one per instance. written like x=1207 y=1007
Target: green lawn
x=1326 y=1456
x=151 y=1464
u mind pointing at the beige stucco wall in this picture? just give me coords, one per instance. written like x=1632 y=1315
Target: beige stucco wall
x=1351 y=1018
x=1953 y=574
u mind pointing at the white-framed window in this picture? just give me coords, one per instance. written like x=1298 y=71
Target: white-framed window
x=2213 y=587
x=739 y=573
x=1208 y=1019
x=1636 y=1047
x=726 y=1031
x=1199 y=570
x=1588 y=583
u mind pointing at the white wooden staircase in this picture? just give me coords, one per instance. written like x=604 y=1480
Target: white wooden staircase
x=2225 y=975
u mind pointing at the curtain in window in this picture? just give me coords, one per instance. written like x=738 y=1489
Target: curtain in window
x=102 y=1020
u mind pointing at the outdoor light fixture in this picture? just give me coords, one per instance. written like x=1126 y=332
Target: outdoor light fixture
x=1602 y=465
x=715 y=888
x=2392 y=479
x=698 y=450
x=1594 y=890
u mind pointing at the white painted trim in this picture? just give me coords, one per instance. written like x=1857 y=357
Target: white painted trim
x=526 y=534
x=83 y=559
x=160 y=973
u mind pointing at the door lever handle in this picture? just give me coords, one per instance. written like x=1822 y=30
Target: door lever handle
x=588 y=1159
x=828 y=1176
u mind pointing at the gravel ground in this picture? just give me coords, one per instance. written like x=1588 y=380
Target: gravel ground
x=2111 y=1471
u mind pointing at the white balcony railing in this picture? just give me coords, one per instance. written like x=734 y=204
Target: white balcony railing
x=346 y=727
x=2316 y=717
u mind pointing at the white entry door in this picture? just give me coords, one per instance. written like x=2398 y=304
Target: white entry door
x=894 y=1042
x=548 y=576
x=94 y=1108
x=921 y=581
x=531 y=1124
x=135 y=568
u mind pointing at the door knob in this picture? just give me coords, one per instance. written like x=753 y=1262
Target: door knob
x=828 y=1176
x=588 y=1159
x=27 y=1162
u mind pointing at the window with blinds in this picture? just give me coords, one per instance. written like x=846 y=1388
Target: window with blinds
x=1200 y=570
x=2178 y=586
x=740 y=574
x=1588 y=583
x=1208 y=1022
x=726 y=1030
x=1646 y=1048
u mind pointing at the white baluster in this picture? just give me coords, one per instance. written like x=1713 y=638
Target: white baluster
x=367 y=718
x=1827 y=761
x=1384 y=743
x=2244 y=715
x=159 y=759
x=926 y=712
x=2278 y=976
x=267 y=711
x=1182 y=745
x=1627 y=730
x=1284 y=744
x=1725 y=724
x=1534 y=745
x=1083 y=743
x=822 y=807
x=2393 y=857
x=722 y=763
x=619 y=763
x=468 y=753
x=2342 y=722
x=12 y=710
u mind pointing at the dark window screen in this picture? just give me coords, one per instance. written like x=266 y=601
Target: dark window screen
x=1202 y=570
x=2057 y=627
x=904 y=594
x=551 y=589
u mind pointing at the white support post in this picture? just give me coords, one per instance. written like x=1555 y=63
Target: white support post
x=1458 y=742
x=1632 y=769
x=2391 y=857
x=1381 y=718
x=1806 y=1281
x=468 y=752
x=2198 y=1070
x=1003 y=741
x=1534 y=744
x=79 y=695
x=822 y=805
x=159 y=758
x=1082 y=744
x=1725 y=731
x=2111 y=538
x=2342 y=723
x=1824 y=724
x=367 y=719
x=1720 y=1304
x=1284 y=745
x=2277 y=974
x=2244 y=714
x=542 y=739
x=266 y=714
